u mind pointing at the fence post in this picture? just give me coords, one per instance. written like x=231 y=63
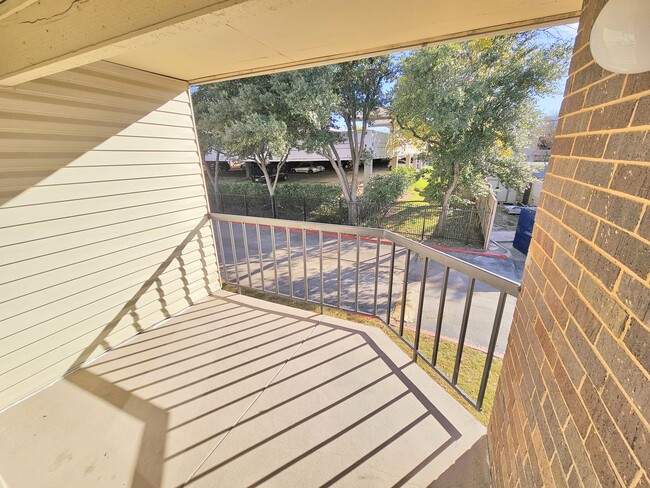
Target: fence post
x=304 y=209
x=424 y=222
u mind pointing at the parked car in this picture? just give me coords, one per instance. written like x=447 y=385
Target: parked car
x=257 y=176
x=308 y=168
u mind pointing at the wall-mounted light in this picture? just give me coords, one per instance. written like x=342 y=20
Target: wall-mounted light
x=620 y=36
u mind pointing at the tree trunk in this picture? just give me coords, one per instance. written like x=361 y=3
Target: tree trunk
x=350 y=198
x=353 y=214
x=215 y=188
x=442 y=221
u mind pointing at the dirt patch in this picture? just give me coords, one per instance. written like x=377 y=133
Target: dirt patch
x=504 y=221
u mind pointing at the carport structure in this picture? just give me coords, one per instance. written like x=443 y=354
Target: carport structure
x=105 y=234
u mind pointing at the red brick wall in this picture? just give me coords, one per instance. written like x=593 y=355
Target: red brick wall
x=573 y=403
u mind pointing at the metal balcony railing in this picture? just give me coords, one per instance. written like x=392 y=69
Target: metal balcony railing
x=369 y=271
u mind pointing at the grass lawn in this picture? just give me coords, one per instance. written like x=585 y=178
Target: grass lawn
x=471 y=365
x=413 y=194
x=411 y=220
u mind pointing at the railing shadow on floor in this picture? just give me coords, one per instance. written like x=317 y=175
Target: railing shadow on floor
x=127 y=386
x=237 y=235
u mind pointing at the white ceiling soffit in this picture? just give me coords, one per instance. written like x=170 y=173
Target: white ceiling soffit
x=216 y=40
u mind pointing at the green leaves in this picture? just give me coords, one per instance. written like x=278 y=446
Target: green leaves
x=263 y=117
x=471 y=104
x=386 y=189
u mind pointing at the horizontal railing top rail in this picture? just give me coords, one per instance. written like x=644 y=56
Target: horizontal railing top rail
x=499 y=282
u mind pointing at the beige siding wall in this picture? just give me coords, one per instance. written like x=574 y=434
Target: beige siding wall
x=100 y=185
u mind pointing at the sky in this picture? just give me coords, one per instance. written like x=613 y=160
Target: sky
x=550 y=104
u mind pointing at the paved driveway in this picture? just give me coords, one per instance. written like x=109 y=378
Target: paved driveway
x=289 y=279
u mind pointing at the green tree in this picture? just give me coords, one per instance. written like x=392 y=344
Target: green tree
x=357 y=90
x=260 y=118
x=472 y=105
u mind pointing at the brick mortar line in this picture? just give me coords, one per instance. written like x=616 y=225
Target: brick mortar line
x=614 y=465
x=600 y=160
x=599 y=250
x=645 y=210
x=603 y=326
x=616 y=101
x=564 y=425
x=583 y=269
x=637 y=478
x=581 y=48
x=633 y=115
x=586 y=87
x=630 y=356
x=621 y=130
x=617 y=193
x=600 y=219
x=578 y=69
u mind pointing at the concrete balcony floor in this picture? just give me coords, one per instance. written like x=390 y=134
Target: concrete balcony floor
x=236 y=391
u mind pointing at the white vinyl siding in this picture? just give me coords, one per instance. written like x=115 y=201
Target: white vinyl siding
x=100 y=182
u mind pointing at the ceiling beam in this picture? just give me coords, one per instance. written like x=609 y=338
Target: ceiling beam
x=10 y=7
x=535 y=23
x=43 y=38
x=209 y=40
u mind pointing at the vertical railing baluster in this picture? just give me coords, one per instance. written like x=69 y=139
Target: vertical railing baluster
x=234 y=255
x=441 y=311
x=391 y=271
x=223 y=253
x=404 y=292
x=490 y=352
x=248 y=261
x=320 y=255
x=356 y=283
x=463 y=329
x=338 y=271
x=418 y=320
x=259 y=254
x=374 y=306
x=304 y=259
x=275 y=260
x=289 y=260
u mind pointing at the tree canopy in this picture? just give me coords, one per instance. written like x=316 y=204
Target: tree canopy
x=263 y=117
x=472 y=105
x=357 y=90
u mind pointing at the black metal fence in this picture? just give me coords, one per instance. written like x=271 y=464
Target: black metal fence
x=421 y=221
x=330 y=211
x=416 y=220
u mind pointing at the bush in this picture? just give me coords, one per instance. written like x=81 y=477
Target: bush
x=386 y=189
x=288 y=190
x=242 y=188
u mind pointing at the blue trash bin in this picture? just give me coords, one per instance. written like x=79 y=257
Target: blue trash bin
x=524 y=231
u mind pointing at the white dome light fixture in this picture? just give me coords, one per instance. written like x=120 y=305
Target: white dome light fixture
x=620 y=36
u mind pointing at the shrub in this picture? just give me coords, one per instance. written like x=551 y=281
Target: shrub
x=286 y=190
x=242 y=188
x=386 y=189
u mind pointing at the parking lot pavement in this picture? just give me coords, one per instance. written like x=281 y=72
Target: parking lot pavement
x=341 y=283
